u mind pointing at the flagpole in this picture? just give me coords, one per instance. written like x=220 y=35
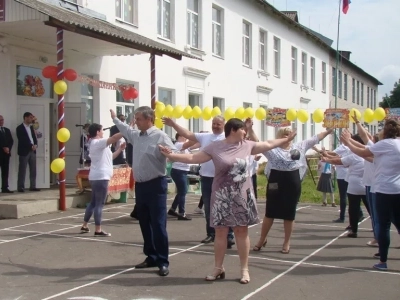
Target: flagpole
x=336 y=83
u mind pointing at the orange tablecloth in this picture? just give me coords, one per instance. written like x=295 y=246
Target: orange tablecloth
x=121 y=181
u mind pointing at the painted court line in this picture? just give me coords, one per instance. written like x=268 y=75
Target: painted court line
x=248 y=296
x=110 y=276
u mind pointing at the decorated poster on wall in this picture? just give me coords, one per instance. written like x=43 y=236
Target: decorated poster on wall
x=31 y=83
x=336 y=118
x=392 y=113
x=276 y=117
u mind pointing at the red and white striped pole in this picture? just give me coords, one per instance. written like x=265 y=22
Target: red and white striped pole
x=153 y=80
x=60 y=105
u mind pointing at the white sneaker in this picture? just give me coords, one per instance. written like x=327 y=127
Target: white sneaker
x=199 y=211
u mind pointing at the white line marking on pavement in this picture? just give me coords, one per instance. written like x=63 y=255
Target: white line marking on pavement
x=248 y=296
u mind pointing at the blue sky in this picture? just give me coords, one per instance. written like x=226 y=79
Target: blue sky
x=369 y=30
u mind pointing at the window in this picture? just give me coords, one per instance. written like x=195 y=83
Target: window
x=219 y=102
x=294 y=64
x=264 y=128
x=165 y=96
x=2 y=10
x=368 y=96
x=263 y=50
x=304 y=131
x=340 y=84
x=312 y=125
x=334 y=87
x=246 y=44
x=123 y=107
x=217 y=31
x=193 y=23
x=324 y=77
x=126 y=10
x=294 y=127
x=164 y=26
x=277 y=56
x=374 y=99
x=358 y=92
x=362 y=94
x=194 y=124
x=312 y=72
x=87 y=98
x=353 y=90
x=247 y=104
x=345 y=87
x=304 y=68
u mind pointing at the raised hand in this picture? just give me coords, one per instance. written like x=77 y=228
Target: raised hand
x=291 y=136
x=165 y=150
x=113 y=114
x=248 y=124
x=355 y=117
x=168 y=121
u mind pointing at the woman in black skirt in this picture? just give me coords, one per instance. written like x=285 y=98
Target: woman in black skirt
x=325 y=185
x=285 y=170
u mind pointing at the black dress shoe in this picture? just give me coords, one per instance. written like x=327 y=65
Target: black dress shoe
x=144 y=265
x=163 y=271
x=173 y=213
x=7 y=191
x=21 y=190
x=34 y=190
x=208 y=239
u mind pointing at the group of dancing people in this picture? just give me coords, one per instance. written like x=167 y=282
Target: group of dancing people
x=225 y=155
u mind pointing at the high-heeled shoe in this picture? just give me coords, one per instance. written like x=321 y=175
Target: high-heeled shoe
x=258 y=248
x=245 y=277
x=219 y=275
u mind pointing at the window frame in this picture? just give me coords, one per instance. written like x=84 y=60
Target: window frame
x=264 y=127
x=294 y=55
x=368 y=96
x=334 y=81
x=362 y=94
x=358 y=92
x=190 y=14
x=353 y=90
x=167 y=129
x=304 y=58
x=339 y=82
x=277 y=56
x=220 y=102
x=345 y=86
x=323 y=66
x=161 y=15
x=263 y=50
x=246 y=37
x=134 y=16
x=221 y=26
x=88 y=100
x=312 y=72
x=192 y=122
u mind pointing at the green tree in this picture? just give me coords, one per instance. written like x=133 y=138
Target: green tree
x=393 y=100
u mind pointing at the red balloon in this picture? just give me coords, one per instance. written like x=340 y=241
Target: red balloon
x=126 y=94
x=135 y=93
x=70 y=74
x=49 y=72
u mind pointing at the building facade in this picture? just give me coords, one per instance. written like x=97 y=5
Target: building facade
x=249 y=54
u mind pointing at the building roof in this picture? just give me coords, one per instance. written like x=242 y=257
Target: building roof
x=290 y=18
x=94 y=25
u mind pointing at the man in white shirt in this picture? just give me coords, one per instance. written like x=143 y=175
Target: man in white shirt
x=207 y=169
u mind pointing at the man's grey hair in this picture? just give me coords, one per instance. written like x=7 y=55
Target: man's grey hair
x=220 y=117
x=146 y=112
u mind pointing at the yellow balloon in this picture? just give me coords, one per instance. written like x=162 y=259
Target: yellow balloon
x=178 y=111
x=63 y=135
x=196 y=112
x=187 y=112
x=60 y=87
x=302 y=115
x=358 y=114
x=249 y=113
x=57 y=165
x=229 y=114
x=368 y=115
x=168 y=111
x=158 y=123
x=261 y=113
x=379 y=114
x=206 y=114
x=160 y=106
x=159 y=114
x=291 y=114
x=215 y=111
x=239 y=113
x=318 y=115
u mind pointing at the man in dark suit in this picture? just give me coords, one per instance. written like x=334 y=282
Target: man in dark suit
x=6 y=143
x=27 y=144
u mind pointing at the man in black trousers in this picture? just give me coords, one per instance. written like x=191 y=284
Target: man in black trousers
x=27 y=144
x=6 y=143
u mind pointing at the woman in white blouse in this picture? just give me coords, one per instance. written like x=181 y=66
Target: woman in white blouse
x=386 y=183
x=356 y=188
x=285 y=172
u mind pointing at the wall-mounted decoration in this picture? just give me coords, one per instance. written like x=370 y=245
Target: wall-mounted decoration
x=31 y=83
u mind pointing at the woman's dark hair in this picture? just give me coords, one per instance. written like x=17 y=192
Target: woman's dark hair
x=391 y=129
x=233 y=124
x=177 y=136
x=93 y=129
x=357 y=138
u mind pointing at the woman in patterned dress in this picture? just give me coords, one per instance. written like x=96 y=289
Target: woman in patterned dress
x=233 y=202
x=285 y=173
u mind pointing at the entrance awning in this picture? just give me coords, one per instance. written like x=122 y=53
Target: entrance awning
x=93 y=28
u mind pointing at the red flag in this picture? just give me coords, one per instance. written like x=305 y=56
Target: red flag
x=346 y=5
